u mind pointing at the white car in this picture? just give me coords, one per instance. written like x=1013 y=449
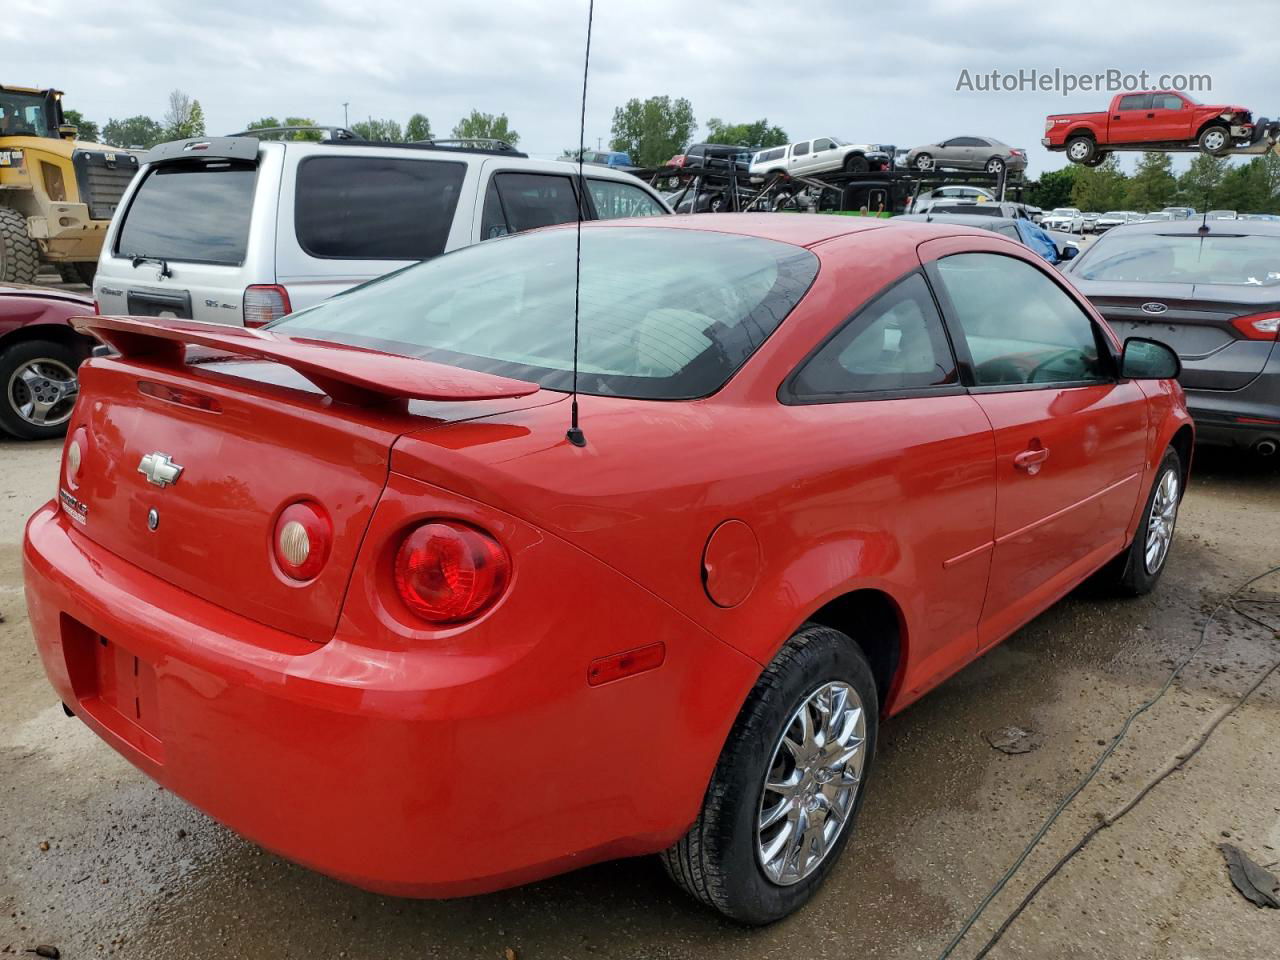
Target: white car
x=819 y=155
x=1066 y=219
x=241 y=230
x=1115 y=218
x=922 y=203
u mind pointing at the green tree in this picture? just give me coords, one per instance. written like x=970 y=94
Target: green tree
x=418 y=128
x=184 y=118
x=758 y=135
x=136 y=131
x=86 y=130
x=1200 y=185
x=654 y=130
x=1053 y=188
x=384 y=131
x=1153 y=184
x=267 y=122
x=1100 y=188
x=485 y=126
x=1247 y=188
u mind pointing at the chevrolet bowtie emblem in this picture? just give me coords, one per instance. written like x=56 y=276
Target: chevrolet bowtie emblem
x=159 y=469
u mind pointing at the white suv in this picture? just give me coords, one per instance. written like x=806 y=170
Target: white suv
x=820 y=155
x=238 y=230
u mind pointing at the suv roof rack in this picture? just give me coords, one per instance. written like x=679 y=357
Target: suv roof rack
x=333 y=132
x=474 y=144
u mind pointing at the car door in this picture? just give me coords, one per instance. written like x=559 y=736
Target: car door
x=1070 y=436
x=904 y=437
x=958 y=152
x=800 y=158
x=825 y=155
x=1170 y=117
x=1131 y=120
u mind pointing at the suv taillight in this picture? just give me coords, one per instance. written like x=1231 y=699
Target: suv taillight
x=264 y=302
x=446 y=571
x=1259 y=326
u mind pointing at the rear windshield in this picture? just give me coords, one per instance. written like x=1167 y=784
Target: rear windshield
x=665 y=314
x=969 y=209
x=192 y=212
x=1241 y=259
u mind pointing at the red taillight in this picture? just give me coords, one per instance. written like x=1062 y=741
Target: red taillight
x=446 y=571
x=97 y=310
x=1259 y=326
x=264 y=302
x=302 y=539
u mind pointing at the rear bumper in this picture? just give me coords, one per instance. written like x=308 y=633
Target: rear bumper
x=1240 y=418
x=430 y=770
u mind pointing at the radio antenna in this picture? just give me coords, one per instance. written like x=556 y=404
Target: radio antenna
x=574 y=433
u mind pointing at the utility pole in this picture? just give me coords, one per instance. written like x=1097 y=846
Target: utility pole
x=346 y=122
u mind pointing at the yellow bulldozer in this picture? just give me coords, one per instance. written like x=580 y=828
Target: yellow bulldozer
x=57 y=193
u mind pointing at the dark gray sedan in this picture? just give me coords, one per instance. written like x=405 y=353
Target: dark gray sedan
x=1212 y=292
x=967 y=153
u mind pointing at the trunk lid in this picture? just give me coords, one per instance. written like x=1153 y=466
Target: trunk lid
x=251 y=436
x=1196 y=321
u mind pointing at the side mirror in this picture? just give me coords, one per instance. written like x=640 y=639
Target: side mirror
x=1148 y=360
x=1069 y=253
x=67 y=131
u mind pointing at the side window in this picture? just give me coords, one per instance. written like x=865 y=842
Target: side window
x=375 y=208
x=1167 y=101
x=522 y=201
x=823 y=145
x=1135 y=101
x=895 y=343
x=1019 y=326
x=800 y=149
x=614 y=200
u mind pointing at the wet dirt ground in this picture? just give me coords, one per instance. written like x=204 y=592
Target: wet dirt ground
x=98 y=861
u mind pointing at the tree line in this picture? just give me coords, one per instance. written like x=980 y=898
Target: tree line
x=1209 y=183
x=654 y=130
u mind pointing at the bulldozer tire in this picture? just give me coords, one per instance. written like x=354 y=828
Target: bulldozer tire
x=19 y=255
x=85 y=272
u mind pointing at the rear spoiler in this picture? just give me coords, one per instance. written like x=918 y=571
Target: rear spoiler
x=205 y=148
x=348 y=374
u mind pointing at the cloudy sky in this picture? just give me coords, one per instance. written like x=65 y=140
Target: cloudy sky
x=880 y=72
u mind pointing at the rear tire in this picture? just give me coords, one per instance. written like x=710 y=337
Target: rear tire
x=19 y=254
x=1215 y=140
x=1081 y=149
x=721 y=860
x=49 y=361
x=1137 y=570
x=995 y=166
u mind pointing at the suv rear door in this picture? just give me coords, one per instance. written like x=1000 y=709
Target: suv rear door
x=195 y=228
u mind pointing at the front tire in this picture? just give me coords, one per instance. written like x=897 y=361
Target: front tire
x=788 y=785
x=1136 y=571
x=19 y=254
x=856 y=163
x=923 y=161
x=1215 y=140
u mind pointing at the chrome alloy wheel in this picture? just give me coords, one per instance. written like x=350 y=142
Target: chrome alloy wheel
x=43 y=392
x=1160 y=522
x=811 y=783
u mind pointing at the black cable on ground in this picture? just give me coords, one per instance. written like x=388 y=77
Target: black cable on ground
x=1178 y=761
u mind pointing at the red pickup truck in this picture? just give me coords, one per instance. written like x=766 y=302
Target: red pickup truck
x=1157 y=120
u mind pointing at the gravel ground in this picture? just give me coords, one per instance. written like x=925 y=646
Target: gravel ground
x=97 y=860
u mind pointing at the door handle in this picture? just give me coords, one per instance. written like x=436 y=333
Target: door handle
x=1031 y=460
x=1150 y=116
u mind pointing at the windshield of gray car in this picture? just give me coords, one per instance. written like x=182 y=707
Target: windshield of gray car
x=665 y=314
x=1238 y=259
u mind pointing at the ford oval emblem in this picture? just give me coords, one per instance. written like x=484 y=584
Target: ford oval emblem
x=1154 y=308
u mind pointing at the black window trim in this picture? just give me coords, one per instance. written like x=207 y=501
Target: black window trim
x=583 y=195
x=788 y=396
x=297 y=174
x=960 y=347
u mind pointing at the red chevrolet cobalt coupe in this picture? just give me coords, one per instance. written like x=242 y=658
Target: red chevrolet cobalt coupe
x=346 y=585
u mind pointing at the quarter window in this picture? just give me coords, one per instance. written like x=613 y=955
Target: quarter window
x=1018 y=325
x=614 y=200
x=523 y=201
x=376 y=208
x=895 y=343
